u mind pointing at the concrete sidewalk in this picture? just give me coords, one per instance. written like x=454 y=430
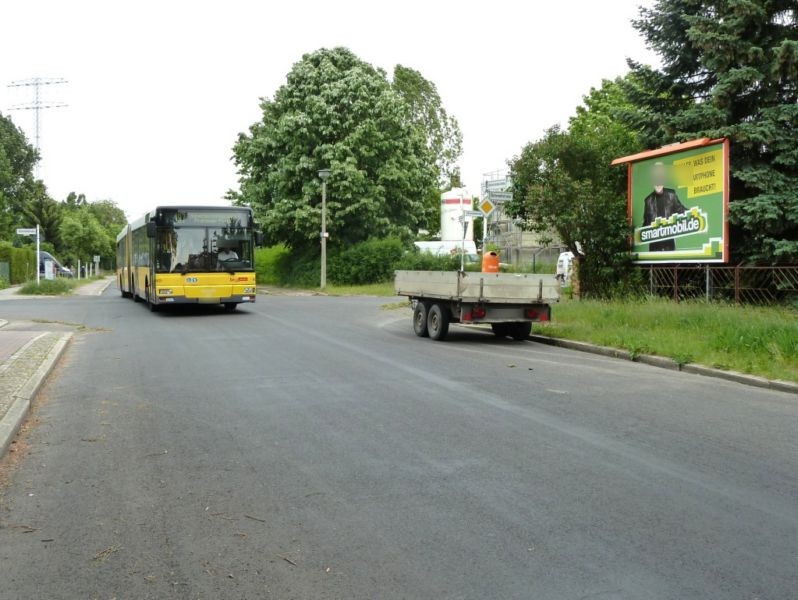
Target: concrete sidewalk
x=92 y=288
x=26 y=359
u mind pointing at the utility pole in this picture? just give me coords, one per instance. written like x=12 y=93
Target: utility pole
x=37 y=104
x=323 y=175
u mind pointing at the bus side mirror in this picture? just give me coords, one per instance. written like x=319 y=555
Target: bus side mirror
x=259 y=239
x=152 y=228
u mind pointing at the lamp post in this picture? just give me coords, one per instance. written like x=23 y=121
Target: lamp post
x=323 y=175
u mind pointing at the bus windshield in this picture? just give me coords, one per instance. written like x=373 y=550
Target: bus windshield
x=195 y=248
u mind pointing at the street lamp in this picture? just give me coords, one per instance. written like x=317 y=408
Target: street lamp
x=323 y=175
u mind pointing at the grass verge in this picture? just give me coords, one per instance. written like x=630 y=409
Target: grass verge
x=370 y=289
x=759 y=341
x=47 y=287
x=54 y=287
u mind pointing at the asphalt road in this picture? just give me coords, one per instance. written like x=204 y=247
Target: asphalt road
x=312 y=447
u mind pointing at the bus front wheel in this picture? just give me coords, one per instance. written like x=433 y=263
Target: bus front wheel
x=150 y=303
x=230 y=306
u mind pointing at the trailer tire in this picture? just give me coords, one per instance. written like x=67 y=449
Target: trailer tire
x=420 y=319
x=437 y=322
x=501 y=330
x=520 y=331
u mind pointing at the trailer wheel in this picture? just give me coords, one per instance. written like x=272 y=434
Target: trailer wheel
x=520 y=331
x=438 y=322
x=500 y=329
x=420 y=320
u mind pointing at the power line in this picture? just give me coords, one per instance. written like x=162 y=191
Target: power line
x=37 y=104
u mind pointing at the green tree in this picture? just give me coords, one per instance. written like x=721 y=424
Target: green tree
x=74 y=201
x=90 y=228
x=334 y=111
x=109 y=215
x=39 y=208
x=17 y=159
x=563 y=183
x=444 y=138
x=83 y=237
x=730 y=69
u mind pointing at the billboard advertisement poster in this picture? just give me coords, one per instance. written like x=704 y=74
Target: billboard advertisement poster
x=678 y=203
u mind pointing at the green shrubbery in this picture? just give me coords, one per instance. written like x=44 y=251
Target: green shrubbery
x=48 y=287
x=22 y=262
x=373 y=261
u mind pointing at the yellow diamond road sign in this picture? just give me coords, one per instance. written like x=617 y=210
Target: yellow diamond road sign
x=486 y=206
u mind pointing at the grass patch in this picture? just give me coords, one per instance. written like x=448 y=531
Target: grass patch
x=48 y=287
x=396 y=305
x=760 y=341
x=369 y=289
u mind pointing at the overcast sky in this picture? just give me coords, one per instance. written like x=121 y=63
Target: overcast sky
x=158 y=90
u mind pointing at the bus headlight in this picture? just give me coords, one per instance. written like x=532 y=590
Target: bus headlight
x=164 y=292
x=249 y=290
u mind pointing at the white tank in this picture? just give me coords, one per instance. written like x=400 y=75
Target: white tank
x=453 y=203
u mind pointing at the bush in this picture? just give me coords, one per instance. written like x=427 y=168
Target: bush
x=22 y=262
x=373 y=261
x=272 y=264
x=47 y=287
x=414 y=260
x=3 y=283
x=279 y=265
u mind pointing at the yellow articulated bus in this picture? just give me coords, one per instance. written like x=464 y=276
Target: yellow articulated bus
x=189 y=255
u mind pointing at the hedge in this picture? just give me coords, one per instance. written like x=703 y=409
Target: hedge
x=373 y=261
x=21 y=262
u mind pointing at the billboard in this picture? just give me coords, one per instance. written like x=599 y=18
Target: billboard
x=678 y=203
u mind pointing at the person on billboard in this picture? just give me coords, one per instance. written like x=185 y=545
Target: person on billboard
x=662 y=202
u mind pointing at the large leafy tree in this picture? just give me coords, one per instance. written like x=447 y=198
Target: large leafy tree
x=90 y=228
x=562 y=183
x=17 y=159
x=83 y=237
x=40 y=209
x=335 y=111
x=444 y=138
x=730 y=69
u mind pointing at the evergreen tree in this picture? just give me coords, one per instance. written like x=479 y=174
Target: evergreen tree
x=730 y=69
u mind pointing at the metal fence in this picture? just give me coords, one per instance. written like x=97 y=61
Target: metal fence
x=750 y=285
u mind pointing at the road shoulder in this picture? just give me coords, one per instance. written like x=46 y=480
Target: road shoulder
x=22 y=375
x=668 y=363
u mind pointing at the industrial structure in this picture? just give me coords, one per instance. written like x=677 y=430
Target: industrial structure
x=515 y=245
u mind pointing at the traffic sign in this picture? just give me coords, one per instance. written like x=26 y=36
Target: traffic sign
x=500 y=196
x=468 y=215
x=496 y=185
x=486 y=207
x=26 y=231
x=96 y=258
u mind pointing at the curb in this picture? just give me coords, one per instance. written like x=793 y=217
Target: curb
x=105 y=287
x=12 y=420
x=668 y=363
x=3 y=323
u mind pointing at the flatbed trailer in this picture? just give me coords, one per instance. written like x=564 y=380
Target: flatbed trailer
x=508 y=302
